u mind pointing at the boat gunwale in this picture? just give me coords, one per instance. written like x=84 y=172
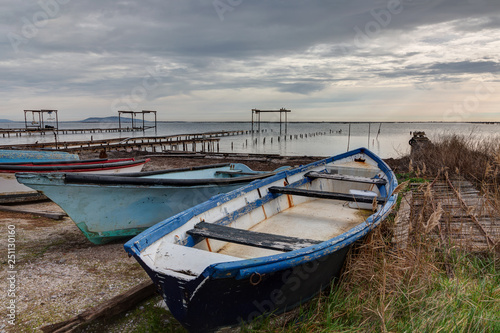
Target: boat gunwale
x=118 y=180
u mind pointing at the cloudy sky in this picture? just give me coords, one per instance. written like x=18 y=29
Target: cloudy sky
x=326 y=60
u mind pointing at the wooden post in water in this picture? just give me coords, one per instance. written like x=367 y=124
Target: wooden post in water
x=369 y=125
x=349 y=137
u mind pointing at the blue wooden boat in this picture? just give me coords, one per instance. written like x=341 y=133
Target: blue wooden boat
x=109 y=207
x=266 y=247
x=24 y=156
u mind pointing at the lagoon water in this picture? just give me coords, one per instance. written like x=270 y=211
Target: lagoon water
x=323 y=139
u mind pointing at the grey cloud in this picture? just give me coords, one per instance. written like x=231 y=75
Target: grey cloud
x=301 y=87
x=465 y=67
x=443 y=71
x=105 y=47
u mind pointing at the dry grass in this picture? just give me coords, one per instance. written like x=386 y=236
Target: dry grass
x=478 y=159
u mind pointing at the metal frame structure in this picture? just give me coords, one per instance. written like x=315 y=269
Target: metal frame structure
x=281 y=111
x=133 y=115
x=40 y=124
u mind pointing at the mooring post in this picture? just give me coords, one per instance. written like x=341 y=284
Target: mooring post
x=369 y=125
x=349 y=137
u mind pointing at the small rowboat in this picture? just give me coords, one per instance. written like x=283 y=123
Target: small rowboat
x=10 y=186
x=266 y=247
x=23 y=156
x=109 y=207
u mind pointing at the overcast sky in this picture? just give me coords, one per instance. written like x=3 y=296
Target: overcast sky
x=328 y=60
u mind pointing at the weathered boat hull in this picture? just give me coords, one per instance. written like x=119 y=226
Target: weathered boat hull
x=224 y=270
x=19 y=156
x=243 y=301
x=107 y=208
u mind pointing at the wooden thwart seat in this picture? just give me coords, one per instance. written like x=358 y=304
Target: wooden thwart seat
x=357 y=179
x=325 y=195
x=250 y=238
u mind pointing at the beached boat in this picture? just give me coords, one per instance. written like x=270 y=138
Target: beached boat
x=266 y=247
x=106 y=208
x=23 y=156
x=9 y=186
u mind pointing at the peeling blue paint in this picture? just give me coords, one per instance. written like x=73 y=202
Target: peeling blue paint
x=27 y=156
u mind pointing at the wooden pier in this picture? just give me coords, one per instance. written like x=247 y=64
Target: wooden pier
x=203 y=142
x=19 y=132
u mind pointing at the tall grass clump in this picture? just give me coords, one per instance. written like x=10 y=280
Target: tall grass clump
x=473 y=157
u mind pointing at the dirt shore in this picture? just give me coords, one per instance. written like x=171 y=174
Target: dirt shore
x=59 y=273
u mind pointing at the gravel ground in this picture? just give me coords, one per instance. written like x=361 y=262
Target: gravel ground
x=60 y=273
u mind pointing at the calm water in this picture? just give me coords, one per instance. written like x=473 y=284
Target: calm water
x=385 y=139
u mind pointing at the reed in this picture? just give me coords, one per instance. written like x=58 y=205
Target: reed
x=472 y=156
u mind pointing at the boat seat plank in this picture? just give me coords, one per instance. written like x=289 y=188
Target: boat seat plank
x=324 y=194
x=250 y=238
x=357 y=179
